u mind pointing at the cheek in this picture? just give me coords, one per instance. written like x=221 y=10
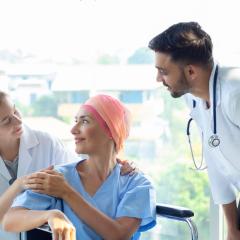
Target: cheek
x=5 y=132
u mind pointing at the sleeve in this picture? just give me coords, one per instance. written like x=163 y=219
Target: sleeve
x=139 y=201
x=223 y=192
x=232 y=108
x=36 y=201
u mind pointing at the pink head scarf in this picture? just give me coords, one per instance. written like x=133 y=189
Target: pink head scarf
x=112 y=116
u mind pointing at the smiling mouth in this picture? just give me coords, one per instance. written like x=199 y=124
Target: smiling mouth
x=18 y=130
x=79 y=140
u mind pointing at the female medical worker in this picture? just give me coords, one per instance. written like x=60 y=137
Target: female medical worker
x=22 y=151
x=99 y=202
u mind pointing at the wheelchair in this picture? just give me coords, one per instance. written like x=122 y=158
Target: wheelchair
x=163 y=211
x=178 y=214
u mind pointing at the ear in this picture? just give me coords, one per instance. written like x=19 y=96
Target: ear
x=190 y=71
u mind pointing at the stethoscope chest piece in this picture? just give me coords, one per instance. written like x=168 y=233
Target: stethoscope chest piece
x=214 y=141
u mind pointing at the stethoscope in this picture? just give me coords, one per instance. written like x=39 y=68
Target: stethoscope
x=214 y=140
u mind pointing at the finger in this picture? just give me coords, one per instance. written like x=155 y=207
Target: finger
x=73 y=234
x=36 y=175
x=40 y=191
x=132 y=164
x=123 y=170
x=48 y=168
x=67 y=234
x=55 y=234
x=132 y=172
x=120 y=161
x=34 y=180
x=34 y=186
x=53 y=172
x=64 y=234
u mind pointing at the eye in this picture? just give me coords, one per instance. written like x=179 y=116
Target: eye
x=7 y=121
x=84 y=121
x=162 y=72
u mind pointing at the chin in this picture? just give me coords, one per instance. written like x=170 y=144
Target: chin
x=177 y=94
x=78 y=150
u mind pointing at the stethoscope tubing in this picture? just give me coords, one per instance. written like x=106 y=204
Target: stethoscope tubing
x=213 y=141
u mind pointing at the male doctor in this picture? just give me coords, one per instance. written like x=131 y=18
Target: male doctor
x=185 y=65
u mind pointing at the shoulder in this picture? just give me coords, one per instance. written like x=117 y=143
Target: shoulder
x=67 y=168
x=230 y=91
x=39 y=135
x=139 y=179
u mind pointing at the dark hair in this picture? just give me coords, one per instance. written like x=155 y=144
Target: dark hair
x=185 y=42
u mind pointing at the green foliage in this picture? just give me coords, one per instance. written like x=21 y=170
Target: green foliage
x=45 y=106
x=179 y=185
x=141 y=56
x=24 y=110
x=108 y=59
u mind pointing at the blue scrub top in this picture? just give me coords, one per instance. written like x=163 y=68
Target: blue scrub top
x=118 y=196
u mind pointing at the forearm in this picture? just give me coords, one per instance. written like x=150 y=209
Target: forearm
x=21 y=219
x=230 y=212
x=8 y=196
x=106 y=227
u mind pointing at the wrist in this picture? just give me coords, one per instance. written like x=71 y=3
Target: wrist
x=18 y=185
x=50 y=214
x=67 y=194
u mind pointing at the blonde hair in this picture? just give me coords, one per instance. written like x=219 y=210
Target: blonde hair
x=3 y=96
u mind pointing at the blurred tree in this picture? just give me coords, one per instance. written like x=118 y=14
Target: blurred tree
x=45 y=106
x=24 y=110
x=108 y=59
x=141 y=56
x=179 y=185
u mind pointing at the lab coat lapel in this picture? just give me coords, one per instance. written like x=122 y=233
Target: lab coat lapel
x=3 y=170
x=218 y=93
x=28 y=141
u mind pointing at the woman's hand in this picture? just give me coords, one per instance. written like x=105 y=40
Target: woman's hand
x=48 y=182
x=128 y=168
x=62 y=228
x=20 y=183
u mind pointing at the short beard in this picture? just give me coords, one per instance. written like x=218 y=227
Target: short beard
x=177 y=94
x=185 y=87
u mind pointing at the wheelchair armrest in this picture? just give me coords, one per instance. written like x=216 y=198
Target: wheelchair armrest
x=40 y=233
x=173 y=211
x=179 y=214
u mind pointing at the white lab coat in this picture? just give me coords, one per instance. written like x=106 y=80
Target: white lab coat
x=223 y=162
x=38 y=150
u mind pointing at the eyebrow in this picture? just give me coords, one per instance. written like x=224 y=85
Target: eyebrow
x=14 y=109
x=82 y=117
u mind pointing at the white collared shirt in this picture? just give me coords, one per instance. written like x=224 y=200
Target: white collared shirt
x=223 y=162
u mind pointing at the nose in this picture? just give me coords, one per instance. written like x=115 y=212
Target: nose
x=75 y=129
x=16 y=119
x=159 y=78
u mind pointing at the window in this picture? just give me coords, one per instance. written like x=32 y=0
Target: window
x=55 y=54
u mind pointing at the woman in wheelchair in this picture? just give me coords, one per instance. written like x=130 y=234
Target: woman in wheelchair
x=89 y=198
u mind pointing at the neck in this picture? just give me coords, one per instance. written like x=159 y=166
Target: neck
x=101 y=166
x=201 y=88
x=9 y=149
